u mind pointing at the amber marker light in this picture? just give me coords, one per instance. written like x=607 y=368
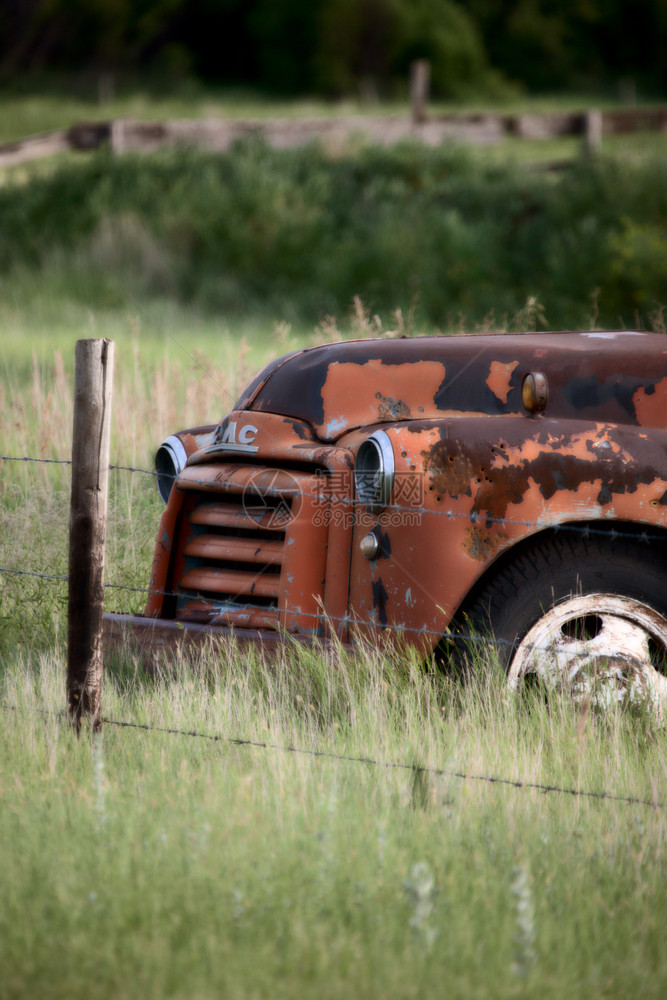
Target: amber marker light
x=370 y=545
x=534 y=392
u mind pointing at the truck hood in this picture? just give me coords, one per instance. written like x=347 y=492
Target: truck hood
x=619 y=377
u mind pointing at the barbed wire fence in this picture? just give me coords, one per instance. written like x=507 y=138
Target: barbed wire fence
x=585 y=531
x=414 y=769
x=367 y=760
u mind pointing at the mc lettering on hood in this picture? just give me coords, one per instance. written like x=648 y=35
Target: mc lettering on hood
x=230 y=437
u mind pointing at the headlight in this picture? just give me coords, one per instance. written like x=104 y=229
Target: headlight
x=374 y=470
x=170 y=460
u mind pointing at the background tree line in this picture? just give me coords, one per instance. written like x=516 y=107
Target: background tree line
x=339 y=47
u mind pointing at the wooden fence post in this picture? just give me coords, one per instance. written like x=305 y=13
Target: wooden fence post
x=593 y=127
x=420 y=84
x=90 y=476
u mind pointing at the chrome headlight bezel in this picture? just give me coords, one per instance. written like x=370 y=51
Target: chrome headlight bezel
x=374 y=471
x=170 y=459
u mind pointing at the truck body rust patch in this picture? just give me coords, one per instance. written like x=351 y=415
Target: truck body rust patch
x=480 y=544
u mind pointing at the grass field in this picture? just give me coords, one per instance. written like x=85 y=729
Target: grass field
x=151 y=864
x=160 y=865
x=155 y=864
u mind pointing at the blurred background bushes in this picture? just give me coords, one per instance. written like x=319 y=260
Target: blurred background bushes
x=297 y=234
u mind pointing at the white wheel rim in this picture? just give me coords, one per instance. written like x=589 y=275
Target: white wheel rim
x=608 y=662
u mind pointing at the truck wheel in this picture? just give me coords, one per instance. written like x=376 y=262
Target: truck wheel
x=587 y=614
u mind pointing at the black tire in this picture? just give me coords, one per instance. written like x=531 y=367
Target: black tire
x=547 y=572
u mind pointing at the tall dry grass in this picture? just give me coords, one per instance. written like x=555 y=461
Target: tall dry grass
x=151 y=399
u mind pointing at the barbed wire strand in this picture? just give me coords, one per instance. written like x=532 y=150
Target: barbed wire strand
x=405 y=509
x=131 y=468
x=29 y=572
x=320 y=618
x=516 y=783
x=443 y=635
x=241 y=607
x=68 y=461
x=43 y=461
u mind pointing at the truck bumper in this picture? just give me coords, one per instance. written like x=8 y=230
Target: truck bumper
x=159 y=642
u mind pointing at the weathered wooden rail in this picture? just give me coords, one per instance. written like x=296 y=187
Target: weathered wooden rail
x=125 y=134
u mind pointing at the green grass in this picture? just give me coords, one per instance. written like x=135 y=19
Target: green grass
x=37 y=322
x=632 y=147
x=162 y=865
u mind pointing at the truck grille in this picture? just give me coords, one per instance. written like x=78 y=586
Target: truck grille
x=243 y=530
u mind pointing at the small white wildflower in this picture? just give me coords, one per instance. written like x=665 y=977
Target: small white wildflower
x=421 y=890
x=382 y=843
x=524 y=913
x=98 y=778
x=238 y=905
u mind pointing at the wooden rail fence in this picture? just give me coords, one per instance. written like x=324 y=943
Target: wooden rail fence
x=126 y=134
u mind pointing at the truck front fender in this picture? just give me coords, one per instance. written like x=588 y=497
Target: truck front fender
x=468 y=488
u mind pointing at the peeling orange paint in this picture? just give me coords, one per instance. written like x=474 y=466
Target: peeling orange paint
x=651 y=405
x=499 y=378
x=375 y=392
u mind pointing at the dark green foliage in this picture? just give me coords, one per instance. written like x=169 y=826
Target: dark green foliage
x=341 y=46
x=298 y=234
x=551 y=44
x=282 y=46
x=444 y=33
x=374 y=41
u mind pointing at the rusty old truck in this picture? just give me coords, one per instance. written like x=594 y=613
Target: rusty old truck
x=416 y=490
